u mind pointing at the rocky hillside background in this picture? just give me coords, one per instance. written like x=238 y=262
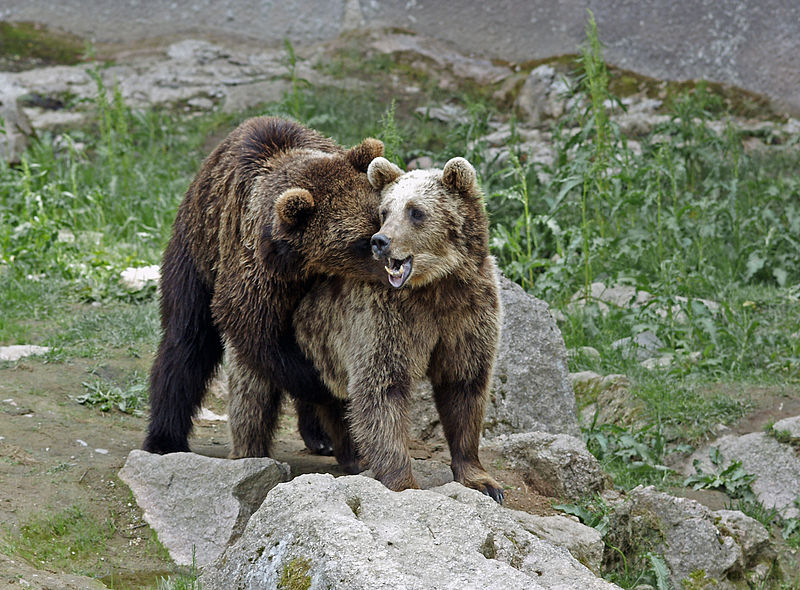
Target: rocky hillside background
x=700 y=493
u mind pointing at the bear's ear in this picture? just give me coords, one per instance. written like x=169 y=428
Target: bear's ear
x=459 y=175
x=361 y=155
x=381 y=172
x=293 y=206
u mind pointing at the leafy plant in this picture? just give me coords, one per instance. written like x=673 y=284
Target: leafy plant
x=733 y=479
x=106 y=397
x=629 y=455
x=660 y=571
x=390 y=135
x=592 y=513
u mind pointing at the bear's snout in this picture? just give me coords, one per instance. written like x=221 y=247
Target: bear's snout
x=380 y=245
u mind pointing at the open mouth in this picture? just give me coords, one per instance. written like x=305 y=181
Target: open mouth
x=399 y=271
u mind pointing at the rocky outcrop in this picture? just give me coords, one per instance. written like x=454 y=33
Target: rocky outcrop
x=719 y=546
x=352 y=533
x=666 y=40
x=198 y=504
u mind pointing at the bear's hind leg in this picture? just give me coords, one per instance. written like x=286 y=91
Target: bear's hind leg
x=253 y=408
x=314 y=435
x=333 y=419
x=187 y=357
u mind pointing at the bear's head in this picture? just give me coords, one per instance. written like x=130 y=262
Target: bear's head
x=326 y=213
x=433 y=222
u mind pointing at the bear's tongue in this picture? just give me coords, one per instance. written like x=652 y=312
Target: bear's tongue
x=399 y=271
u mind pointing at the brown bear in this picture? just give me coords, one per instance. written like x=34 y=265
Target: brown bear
x=440 y=319
x=274 y=204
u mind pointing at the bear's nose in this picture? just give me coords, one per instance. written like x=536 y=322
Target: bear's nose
x=380 y=245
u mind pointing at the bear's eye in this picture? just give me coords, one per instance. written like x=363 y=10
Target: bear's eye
x=417 y=215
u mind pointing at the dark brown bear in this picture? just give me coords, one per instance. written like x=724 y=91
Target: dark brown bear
x=440 y=319
x=272 y=205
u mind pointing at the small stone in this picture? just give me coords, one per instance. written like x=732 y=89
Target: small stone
x=588 y=352
x=209 y=416
x=644 y=345
x=137 y=278
x=65 y=236
x=790 y=425
x=17 y=351
x=421 y=163
x=202 y=103
x=661 y=362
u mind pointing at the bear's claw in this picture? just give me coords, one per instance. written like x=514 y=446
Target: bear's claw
x=495 y=493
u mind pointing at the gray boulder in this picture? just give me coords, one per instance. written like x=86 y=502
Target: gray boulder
x=530 y=388
x=775 y=465
x=198 y=504
x=789 y=425
x=353 y=533
x=543 y=95
x=691 y=537
x=555 y=465
x=15 y=128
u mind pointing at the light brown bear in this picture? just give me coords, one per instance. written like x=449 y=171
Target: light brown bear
x=439 y=319
x=273 y=205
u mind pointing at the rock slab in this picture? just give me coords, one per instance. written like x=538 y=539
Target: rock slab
x=198 y=504
x=352 y=533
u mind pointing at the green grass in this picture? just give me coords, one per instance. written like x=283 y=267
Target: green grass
x=61 y=539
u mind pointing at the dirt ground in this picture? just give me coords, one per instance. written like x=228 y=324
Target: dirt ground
x=56 y=454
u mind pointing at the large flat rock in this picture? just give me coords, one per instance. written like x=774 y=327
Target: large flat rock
x=352 y=533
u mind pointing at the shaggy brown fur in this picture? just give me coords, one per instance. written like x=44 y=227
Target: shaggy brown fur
x=271 y=206
x=441 y=320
